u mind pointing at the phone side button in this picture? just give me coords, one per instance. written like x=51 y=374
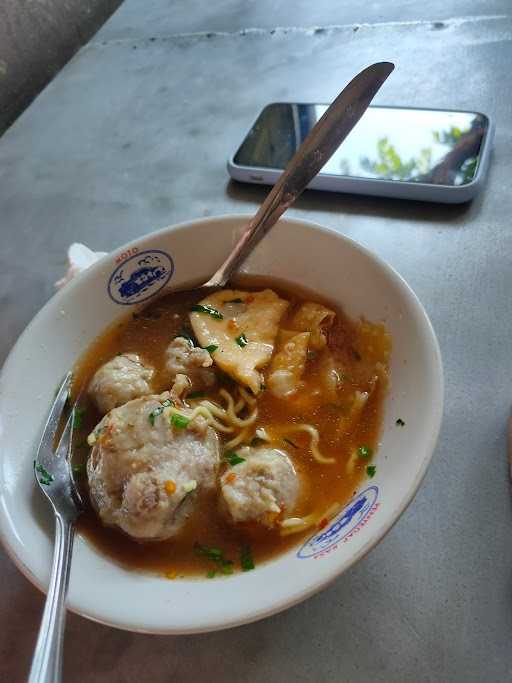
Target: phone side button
x=256 y=178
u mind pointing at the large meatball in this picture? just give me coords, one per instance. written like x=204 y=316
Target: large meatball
x=120 y=380
x=146 y=472
x=182 y=357
x=261 y=488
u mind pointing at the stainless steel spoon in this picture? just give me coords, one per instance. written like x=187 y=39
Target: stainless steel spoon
x=52 y=468
x=318 y=147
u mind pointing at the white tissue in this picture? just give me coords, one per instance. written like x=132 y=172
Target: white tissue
x=80 y=257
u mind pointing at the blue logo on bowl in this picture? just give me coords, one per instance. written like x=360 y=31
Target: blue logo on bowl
x=346 y=523
x=140 y=277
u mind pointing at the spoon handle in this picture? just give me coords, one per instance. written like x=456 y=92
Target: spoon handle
x=318 y=147
x=47 y=661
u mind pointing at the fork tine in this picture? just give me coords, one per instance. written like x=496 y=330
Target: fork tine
x=66 y=439
x=64 y=450
x=45 y=449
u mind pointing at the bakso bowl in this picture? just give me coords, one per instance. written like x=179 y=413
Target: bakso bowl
x=302 y=254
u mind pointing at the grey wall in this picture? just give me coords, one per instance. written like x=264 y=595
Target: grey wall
x=37 y=37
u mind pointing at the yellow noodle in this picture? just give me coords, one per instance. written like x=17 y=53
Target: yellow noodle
x=214 y=409
x=350 y=421
x=242 y=436
x=294 y=525
x=351 y=462
x=250 y=400
x=292 y=521
x=201 y=410
x=228 y=398
x=204 y=412
x=230 y=412
x=297 y=524
x=225 y=420
x=240 y=404
x=315 y=438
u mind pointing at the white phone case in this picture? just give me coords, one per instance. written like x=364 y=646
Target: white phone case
x=446 y=194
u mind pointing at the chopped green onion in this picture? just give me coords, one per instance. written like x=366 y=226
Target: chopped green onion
x=400 y=422
x=211 y=348
x=210 y=553
x=46 y=478
x=179 y=421
x=226 y=566
x=290 y=442
x=78 y=419
x=242 y=340
x=263 y=386
x=246 y=561
x=158 y=411
x=190 y=486
x=216 y=555
x=234 y=301
x=370 y=470
x=209 y=310
x=311 y=355
x=79 y=469
x=364 y=452
x=196 y=394
x=233 y=458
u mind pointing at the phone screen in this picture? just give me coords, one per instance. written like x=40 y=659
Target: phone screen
x=388 y=143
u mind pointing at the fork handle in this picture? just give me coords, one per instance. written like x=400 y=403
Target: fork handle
x=47 y=660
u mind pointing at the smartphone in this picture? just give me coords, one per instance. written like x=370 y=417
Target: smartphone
x=425 y=154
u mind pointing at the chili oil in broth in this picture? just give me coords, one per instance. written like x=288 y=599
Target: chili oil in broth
x=356 y=346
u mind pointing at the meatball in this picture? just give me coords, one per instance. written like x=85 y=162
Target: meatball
x=183 y=358
x=146 y=471
x=260 y=488
x=120 y=380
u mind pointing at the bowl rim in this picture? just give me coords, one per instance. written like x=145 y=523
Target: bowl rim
x=298 y=595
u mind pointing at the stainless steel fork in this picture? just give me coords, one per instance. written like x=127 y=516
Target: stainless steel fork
x=52 y=469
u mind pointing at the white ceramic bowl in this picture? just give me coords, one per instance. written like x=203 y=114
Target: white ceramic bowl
x=299 y=252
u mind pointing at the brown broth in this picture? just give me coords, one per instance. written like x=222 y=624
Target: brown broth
x=356 y=347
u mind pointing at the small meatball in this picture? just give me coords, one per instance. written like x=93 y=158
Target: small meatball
x=145 y=474
x=261 y=488
x=185 y=359
x=120 y=380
